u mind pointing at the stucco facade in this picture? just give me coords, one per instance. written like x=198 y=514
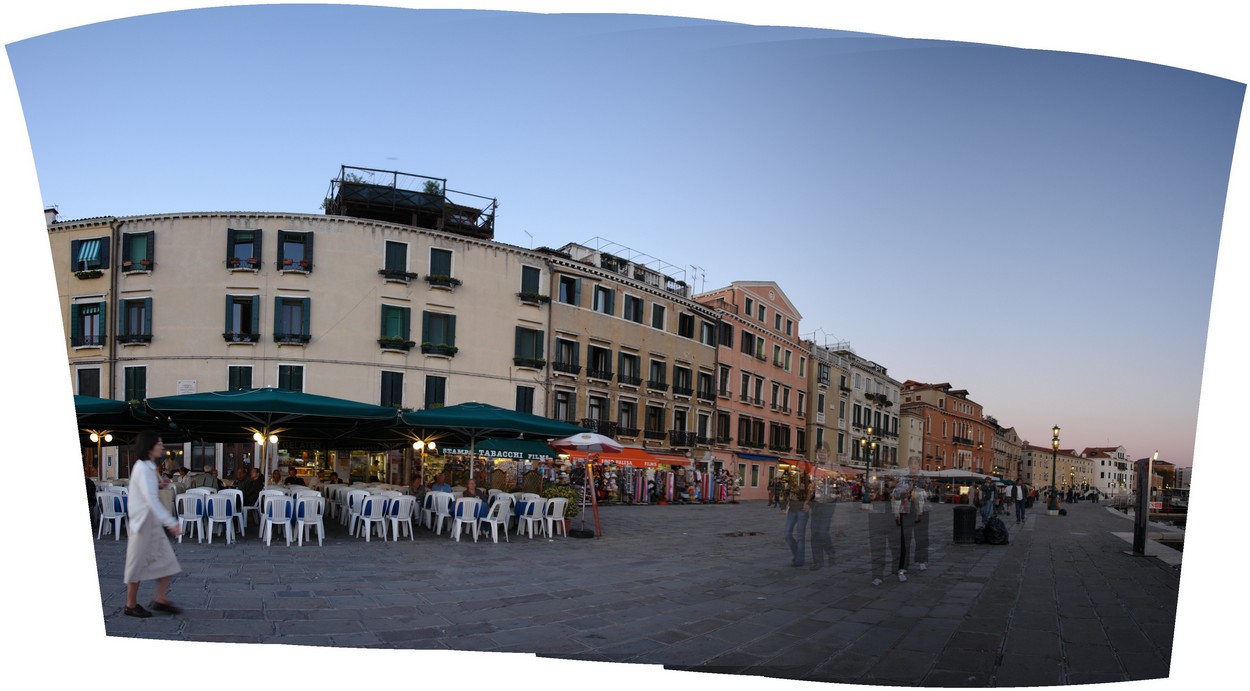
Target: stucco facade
x=956 y=435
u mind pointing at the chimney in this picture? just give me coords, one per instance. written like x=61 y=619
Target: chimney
x=49 y=214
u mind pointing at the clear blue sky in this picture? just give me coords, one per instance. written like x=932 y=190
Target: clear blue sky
x=1039 y=228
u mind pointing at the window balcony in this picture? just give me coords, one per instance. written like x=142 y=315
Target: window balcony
x=604 y=374
x=566 y=368
x=240 y=337
x=657 y=385
x=291 y=339
x=724 y=393
x=303 y=266
x=605 y=427
x=627 y=431
x=682 y=438
x=243 y=264
x=439 y=349
x=682 y=390
x=745 y=398
x=88 y=341
x=131 y=339
x=706 y=395
x=395 y=343
x=654 y=434
x=628 y=379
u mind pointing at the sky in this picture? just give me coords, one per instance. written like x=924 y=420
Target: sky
x=1038 y=225
x=961 y=213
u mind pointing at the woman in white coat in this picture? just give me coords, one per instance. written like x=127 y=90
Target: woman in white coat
x=148 y=552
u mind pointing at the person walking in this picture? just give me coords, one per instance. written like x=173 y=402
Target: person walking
x=1017 y=495
x=821 y=523
x=798 y=513
x=884 y=533
x=985 y=494
x=914 y=517
x=148 y=552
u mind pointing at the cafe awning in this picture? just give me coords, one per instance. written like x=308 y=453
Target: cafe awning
x=511 y=449
x=671 y=459
x=628 y=456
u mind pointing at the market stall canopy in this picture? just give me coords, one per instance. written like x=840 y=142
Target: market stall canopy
x=117 y=417
x=628 y=456
x=237 y=415
x=588 y=441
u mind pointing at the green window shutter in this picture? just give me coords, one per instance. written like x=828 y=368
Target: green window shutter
x=104 y=252
x=255 y=302
x=229 y=310
x=577 y=292
x=611 y=297
x=305 y=314
x=405 y=322
x=149 y=243
x=147 y=316
x=277 y=315
x=451 y=329
x=538 y=345
x=256 y=245
x=230 y=238
x=382 y=328
x=102 y=328
x=75 y=324
x=308 y=248
x=73 y=254
x=425 y=327
x=519 y=340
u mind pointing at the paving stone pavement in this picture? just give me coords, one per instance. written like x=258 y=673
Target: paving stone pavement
x=703 y=588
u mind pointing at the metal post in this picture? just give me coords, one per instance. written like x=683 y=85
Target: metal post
x=1052 y=506
x=1141 y=507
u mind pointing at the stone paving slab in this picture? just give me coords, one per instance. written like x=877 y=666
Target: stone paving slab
x=689 y=588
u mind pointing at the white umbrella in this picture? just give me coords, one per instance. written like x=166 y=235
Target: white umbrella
x=587 y=441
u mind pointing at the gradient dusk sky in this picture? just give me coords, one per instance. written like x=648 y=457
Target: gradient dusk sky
x=1038 y=227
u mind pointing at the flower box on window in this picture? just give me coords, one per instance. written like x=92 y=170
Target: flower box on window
x=438 y=349
x=395 y=343
x=396 y=275
x=145 y=263
x=232 y=337
x=535 y=363
x=533 y=298
x=442 y=281
x=89 y=273
x=127 y=339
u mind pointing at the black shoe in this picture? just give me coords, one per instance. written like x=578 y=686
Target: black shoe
x=136 y=611
x=166 y=607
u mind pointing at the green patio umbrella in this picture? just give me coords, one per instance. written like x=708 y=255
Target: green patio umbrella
x=260 y=414
x=101 y=415
x=481 y=420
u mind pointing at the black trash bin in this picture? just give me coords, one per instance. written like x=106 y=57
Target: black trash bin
x=965 y=525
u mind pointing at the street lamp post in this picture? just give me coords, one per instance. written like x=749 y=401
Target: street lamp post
x=1052 y=507
x=99 y=438
x=422 y=446
x=868 y=444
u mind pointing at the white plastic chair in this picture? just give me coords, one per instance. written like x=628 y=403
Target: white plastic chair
x=399 y=512
x=391 y=493
x=236 y=496
x=262 y=500
x=191 y=514
x=351 y=509
x=373 y=513
x=508 y=513
x=553 y=516
x=309 y=511
x=220 y=512
x=497 y=517
x=112 y=514
x=533 y=516
x=466 y=517
x=426 y=510
x=442 y=510
x=201 y=490
x=278 y=511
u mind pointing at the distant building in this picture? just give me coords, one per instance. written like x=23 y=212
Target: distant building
x=956 y=434
x=1112 y=469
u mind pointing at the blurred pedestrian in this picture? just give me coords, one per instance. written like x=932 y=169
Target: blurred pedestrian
x=148 y=552
x=798 y=513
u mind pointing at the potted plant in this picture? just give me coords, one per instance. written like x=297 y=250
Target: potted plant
x=286 y=262
x=126 y=264
x=232 y=262
x=566 y=491
x=145 y=262
x=303 y=263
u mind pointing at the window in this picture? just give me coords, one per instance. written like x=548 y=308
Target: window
x=525 y=399
x=242 y=318
x=748 y=342
x=655 y=422
x=438 y=333
x=626 y=418
x=565 y=405
x=238 y=377
x=723 y=380
x=88 y=381
x=788 y=360
x=137 y=254
x=633 y=308
x=761 y=309
x=597 y=408
x=775 y=401
x=707 y=334
x=243 y=248
x=802 y=404
x=435 y=391
x=722 y=428
x=789 y=327
x=528 y=348
x=136 y=321
x=745 y=393
x=685 y=325
x=777 y=322
x=396 y=327
x=704 y=421
x=706 y=390
x=682 y=381
x=291 y=320
x=630 y=369
x=135 y=383
x=755 y=474
x=760 y=345
x=89 y=255
x=604 y=300
x=802 y=366
x=570 y=290
x=657 y=378
x=530 y=278
x=750 y=307
x=392 y=393
x=295 y=250
x=657 y=317
x=566 y=357
x=87 y=324
x=598 y=362
x=440 y=263
x=291 y=377
x=395 y=262
x=822 y=373
x=777 y=355
x=726 y=335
